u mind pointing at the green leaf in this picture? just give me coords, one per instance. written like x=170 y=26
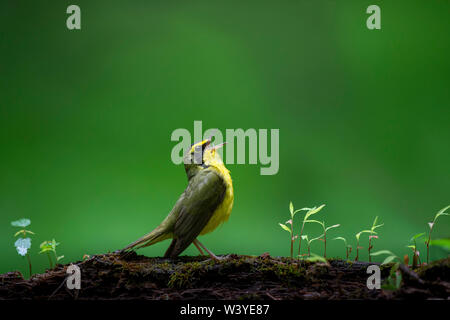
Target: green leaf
x=382 y=252
x=315 y=221
x=21 y=223
x=417 y=236
x=341 y=238
x=302 y=209
x=388 y=259
x=442 y=213
x=443 y=243
x=305 y=237
x=18 y=232
x=331 y=227
x=364 y=231
x=313 y=211
x=317 y=238
x=374 y=227
x=375 y=221
x=374 y=224
x=291 y=209
x=285 y=227
x=59 y=258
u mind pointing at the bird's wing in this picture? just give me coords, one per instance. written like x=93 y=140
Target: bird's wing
x=205 y=192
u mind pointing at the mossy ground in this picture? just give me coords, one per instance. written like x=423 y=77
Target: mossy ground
x=262 y=277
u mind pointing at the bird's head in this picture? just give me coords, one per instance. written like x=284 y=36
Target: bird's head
x=201 y=156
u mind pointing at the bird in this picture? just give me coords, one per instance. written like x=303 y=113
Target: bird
x=205 y=204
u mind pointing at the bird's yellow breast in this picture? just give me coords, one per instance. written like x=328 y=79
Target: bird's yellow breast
x=223 y=211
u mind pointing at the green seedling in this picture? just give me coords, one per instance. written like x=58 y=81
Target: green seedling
x=22 y=223
x=394 y=281
x=325 y=229
x=416 y=258
x=310 y=212
x=23 y=244
x=348 y=248
x=48 y=247
x=358 y=235
x=372 y=234
x=291 y=228
x=309 y=241
x=431 y=225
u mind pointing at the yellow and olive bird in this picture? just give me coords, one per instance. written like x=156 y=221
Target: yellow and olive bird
x=201 y=208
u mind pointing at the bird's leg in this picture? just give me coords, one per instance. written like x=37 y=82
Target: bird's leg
x=212 y=255
x=199 y=249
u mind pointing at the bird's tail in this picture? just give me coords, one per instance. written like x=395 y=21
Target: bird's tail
x=157 y=235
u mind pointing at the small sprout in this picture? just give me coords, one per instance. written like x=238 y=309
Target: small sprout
x=310 y=212
x=431 y=224
x=308 y=242
x=325 y=229
x=394 y=281
x=22 y=223
x=23 y=244
x=358 y=235
x=372 y=236
x=48 y=247
x=86 y=257
x=291 y=228
x=348 y=248
x=416 y=258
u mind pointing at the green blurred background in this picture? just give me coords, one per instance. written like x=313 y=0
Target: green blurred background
x=86 y=118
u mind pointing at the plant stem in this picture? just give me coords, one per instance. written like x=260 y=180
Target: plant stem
x=325 y=244
x=300 y=238
x=29 y=263
x=428 y=243
x=49 y=260
x=357 y=250
x=370 y=241
x=292 y=247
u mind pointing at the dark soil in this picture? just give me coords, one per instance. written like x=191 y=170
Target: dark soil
x=106 y=277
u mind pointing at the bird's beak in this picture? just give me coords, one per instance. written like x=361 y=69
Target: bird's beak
x=219 y=146
x=206 y=143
